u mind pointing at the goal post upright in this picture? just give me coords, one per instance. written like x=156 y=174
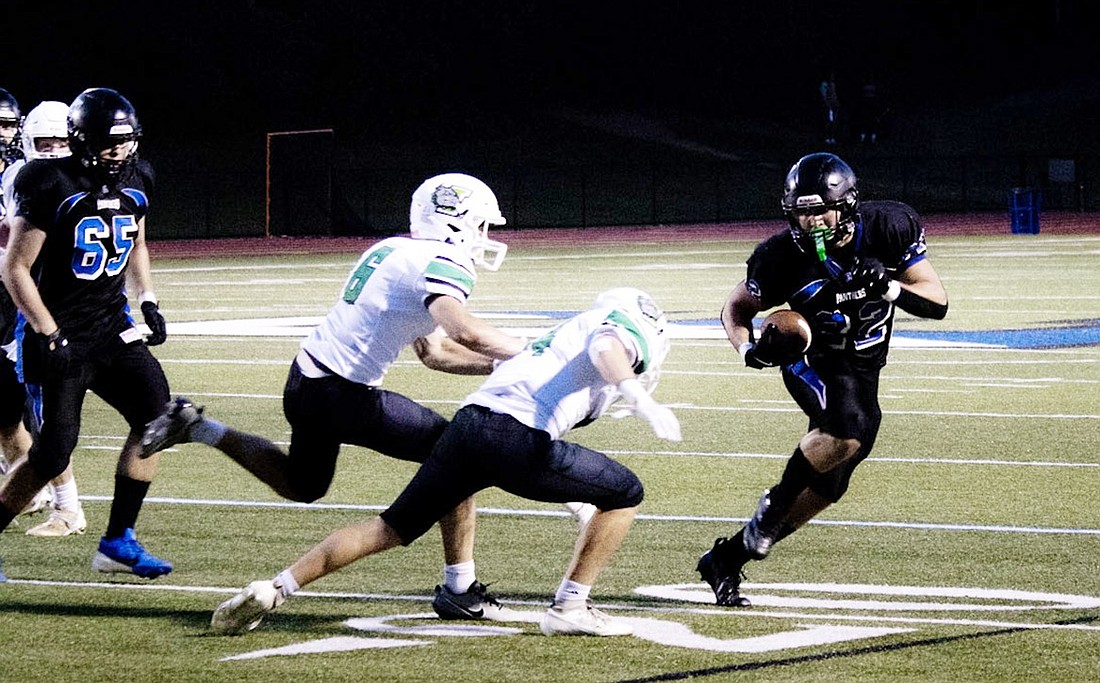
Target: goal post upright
x=267 y=167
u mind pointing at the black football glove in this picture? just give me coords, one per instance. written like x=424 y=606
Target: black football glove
x=754 y=360
x=871 y=275
x=56 y=354
x=158 y=329
x=763 y=353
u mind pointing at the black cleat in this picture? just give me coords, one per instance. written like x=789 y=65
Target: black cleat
x=171 y=427
x=476 y=603
x=723 y=578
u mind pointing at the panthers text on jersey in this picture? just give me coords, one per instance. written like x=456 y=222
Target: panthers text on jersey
x=383 y=306
x=843 y=318
x=90 y=233
x=553 y=384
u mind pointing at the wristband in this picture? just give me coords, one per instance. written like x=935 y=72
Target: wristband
x=147 y=295
x=744 y=348
x=893 y=291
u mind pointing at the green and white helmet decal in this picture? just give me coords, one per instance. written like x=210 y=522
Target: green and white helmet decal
x=458 y=209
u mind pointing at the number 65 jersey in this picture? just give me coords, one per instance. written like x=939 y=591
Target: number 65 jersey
x=90 y=232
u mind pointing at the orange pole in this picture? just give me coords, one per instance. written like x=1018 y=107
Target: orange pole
x=267 y=170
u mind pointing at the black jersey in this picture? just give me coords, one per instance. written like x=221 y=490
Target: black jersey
x=90 y=231
x=8 y=316
x=844 y=320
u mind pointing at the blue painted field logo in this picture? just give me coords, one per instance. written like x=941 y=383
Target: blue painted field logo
x=841 y=613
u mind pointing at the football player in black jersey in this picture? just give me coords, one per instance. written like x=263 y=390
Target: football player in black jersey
x=844 y=265
x=77 y=236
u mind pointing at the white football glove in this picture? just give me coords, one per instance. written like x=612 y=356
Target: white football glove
x=661 y=419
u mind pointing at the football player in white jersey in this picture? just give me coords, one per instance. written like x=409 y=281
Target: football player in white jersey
x=405 y=290
x=45 y=135
x=508 y=434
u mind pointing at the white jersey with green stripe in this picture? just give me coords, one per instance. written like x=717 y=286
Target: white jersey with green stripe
x=7 y=185
x=383 y=306
x=553 y=385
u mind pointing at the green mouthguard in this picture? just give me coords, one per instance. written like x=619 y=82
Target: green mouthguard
x=819 y=242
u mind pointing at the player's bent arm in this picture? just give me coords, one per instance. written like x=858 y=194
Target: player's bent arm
x=920 y=291
x=612 y=360
x=737 y=315
x=24 y=244
x=473 y=333
x=139 y=271
x=439 y=352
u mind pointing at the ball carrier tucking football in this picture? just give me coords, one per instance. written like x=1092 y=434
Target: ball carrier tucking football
x=845 y=265
x=785 y=338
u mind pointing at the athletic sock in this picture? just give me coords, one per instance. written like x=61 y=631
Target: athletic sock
x=65 y=496
x=797 y=476
x=459 y=577
x=784 y=531
x=126 y=504
x=207 y=431
x=571 y=594
x=734 y=556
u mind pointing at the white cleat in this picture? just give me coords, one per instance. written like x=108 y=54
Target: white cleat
x=584 y=620
x=244 y=611
x=41 y=501
x=61 y=523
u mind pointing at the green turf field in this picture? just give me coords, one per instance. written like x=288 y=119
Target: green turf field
x=968 y=548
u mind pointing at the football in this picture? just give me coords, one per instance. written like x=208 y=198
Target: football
x=793 y=332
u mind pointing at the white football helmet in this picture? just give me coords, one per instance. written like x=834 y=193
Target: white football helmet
x=48 y=120
x=646 y=318
x=458 y=208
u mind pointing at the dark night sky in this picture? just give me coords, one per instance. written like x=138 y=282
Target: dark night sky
x=236 y=65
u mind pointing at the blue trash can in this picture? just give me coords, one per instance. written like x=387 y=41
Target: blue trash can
x=1024 y=206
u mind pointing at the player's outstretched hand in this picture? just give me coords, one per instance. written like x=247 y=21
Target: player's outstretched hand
x=660 y=418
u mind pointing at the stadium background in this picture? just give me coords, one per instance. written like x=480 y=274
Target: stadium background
x=577 y=115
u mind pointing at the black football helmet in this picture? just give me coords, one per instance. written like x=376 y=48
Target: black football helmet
x=816 y=183
x=10 y=120
x=99 y=119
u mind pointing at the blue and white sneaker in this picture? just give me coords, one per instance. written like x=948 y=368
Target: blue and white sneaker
x=125 y=555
